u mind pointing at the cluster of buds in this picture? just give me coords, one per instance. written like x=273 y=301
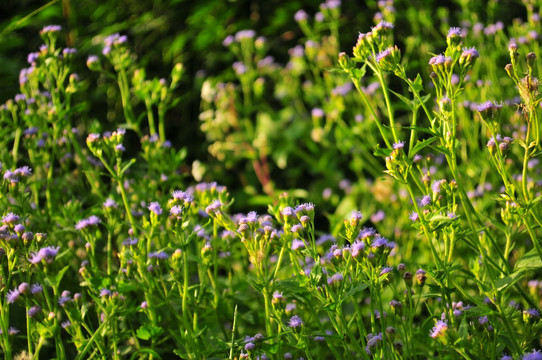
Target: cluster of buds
x=389 y=59
x=377 y=38
x=502 y=143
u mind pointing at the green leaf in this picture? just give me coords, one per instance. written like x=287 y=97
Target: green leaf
x=290 y=286
x=420 y=145
x=529 y=261
x=378 y=151
x=146 y=332
x=507 y=281
x=417 y=84
x=356 y=290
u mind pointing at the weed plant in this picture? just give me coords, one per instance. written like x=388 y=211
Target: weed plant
x=111 y=249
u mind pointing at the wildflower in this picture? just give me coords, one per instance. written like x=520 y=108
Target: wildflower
x=33 y=311
x=385 y=270
x=535 y=355
x=439 y=329
x=105 y=292
x=357 y=248
x=13 y=330
x=426 y=200
x=301 y=16
x=468 y=56
x=374 y=340
x=414 y=216
x=382 y=28
x=214 y=207
x=36 y=289
x=162 y=255
x=65 y=324
x=336 y=278
x=297 y=244
x=295 y=322
x=454 y=36
x=182 y=196
x=12 y=296
x=10 y=218
x=90 y=221
x=155 y=208
x=420 y=276
x=244 y=34
x=296 y=228
x=399 y=145
x=51 y=29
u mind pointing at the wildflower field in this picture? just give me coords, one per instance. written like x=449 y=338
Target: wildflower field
x=270 y=180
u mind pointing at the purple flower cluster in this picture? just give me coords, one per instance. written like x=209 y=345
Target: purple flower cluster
x=90 y=221
x=46 y=254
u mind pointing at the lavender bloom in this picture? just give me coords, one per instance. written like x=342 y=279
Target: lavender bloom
x=535 y=355
x=176 y=210
x=65 y=324
x=36 y=289
x=300 y=16
x=110 y=203
x=183 y=196
x=296 y=228
x=399 y=145
x=414 y=216
x=426 y=200
x=439 y=329
x=12 y=296
x=50 y=29
x=295 y=322
x=455 y=32
x=155 y=208
x=10 y=218
x=90 y=221
x=317 y=113
x=105 y=292
x=338 y=277
x=162 y=255
x=13 y=330
x=357 y=248
x=244 y=34
x=386 y=270
x=532 y=313
x=297 y=244
x=33 y=311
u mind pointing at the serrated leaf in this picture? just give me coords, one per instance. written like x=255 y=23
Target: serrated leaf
x=420 y=145
x=417 y=84
x=356 y=290
x=378 y=151
x=289 y=286
x=146 y=332
x=529 y=261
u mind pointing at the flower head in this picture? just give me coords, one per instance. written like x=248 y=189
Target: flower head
x=295 y=322
x=439 y=329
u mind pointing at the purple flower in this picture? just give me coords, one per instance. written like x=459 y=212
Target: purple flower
x=244 y=34
x=90 y=221
x=386 y=270
x=183 y=196
x=439 y=329
x=455 y=32
x=298 y=244
x=105 y=292
x=317 y=113
x=176 y=210
x=155 y=208
x=12 y=296
x=10 y=218
x=301 y=15
x=110 y=203
x=65 y=324
x=426 y=200
x=535 y=355
x=338 y=277
x=33 y=311
x=36 y=289
x=532 y=313
x=288 y=211
x=357 y=248
x=414 y=216
x=162 y=255
x=295 y=322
